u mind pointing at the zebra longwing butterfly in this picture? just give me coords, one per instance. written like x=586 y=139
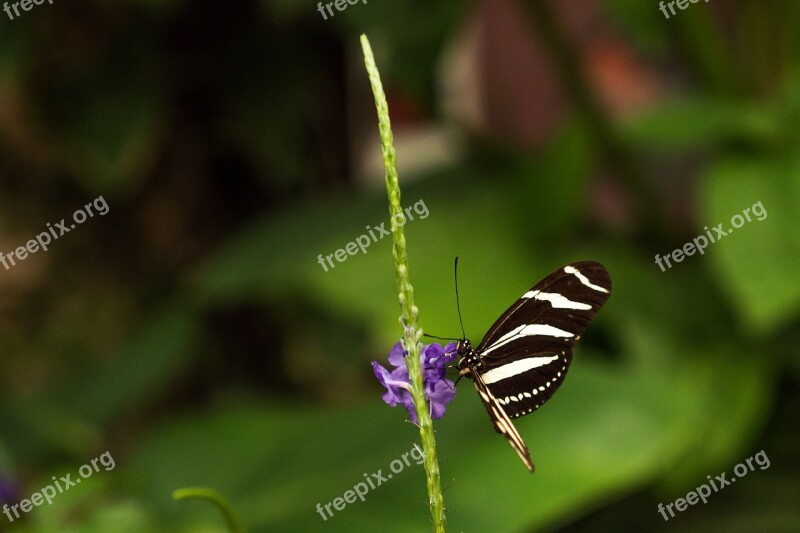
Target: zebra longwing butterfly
x=525 y=355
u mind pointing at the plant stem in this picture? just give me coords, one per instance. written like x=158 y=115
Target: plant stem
x=409 y=312
x=217 y=499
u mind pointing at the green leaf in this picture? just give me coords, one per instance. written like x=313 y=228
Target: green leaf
x=697 y=123
x=145 y=365
x=70 y=417
x=756 y=264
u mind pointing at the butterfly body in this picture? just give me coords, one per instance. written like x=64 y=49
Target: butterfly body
x=525 y=355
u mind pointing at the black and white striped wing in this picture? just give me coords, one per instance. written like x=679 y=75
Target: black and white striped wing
x=502 y=423
x=525 y=355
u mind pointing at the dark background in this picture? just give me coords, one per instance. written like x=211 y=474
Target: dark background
x=192 y=333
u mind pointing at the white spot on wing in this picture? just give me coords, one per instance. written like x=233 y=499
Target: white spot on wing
x=515 y=368
x=557 y=301
x=527 y=330
x=569 y=269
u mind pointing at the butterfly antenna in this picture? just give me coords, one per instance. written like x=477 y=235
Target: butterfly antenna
x=458 y=303
x=440 y=338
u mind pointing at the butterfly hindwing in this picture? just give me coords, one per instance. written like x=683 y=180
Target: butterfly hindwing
x=530 y=389
x=501 y=422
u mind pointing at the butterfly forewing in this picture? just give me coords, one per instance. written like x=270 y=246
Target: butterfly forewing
x=554 y=313
x=525 y=355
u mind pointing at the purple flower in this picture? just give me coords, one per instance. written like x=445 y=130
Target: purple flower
x=438 y=389
x=9 y=490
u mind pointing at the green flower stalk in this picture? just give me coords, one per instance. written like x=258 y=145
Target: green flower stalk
x=409 y=312
x=210 y=495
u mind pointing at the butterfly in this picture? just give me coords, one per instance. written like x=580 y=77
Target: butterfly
x=525 y=355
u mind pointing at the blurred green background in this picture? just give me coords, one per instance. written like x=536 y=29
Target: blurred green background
x=192 y=333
